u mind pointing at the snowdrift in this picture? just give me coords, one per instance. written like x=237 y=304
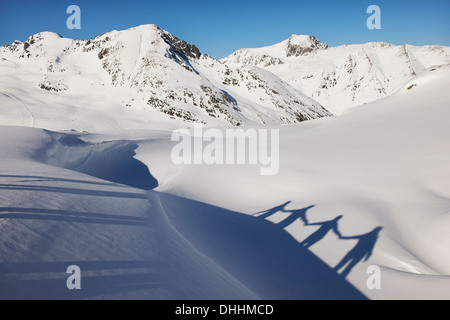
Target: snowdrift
x=132 y=244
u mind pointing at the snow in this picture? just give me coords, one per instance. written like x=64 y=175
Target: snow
x=137 y=78
x=107 y=197
x=346 y=76
x=133 y=244
x=383 y=164
x=119 y=236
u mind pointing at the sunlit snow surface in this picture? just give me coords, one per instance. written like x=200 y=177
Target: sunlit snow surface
x=208 y=232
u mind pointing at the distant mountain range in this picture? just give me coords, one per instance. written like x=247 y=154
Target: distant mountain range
x=145 y=75
x=346 y=76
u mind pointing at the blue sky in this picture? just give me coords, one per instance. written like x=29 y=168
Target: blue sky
x=221 y=27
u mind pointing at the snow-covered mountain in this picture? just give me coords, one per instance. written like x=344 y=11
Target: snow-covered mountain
x=132 y=77
x=368 y=188
x=346 y=76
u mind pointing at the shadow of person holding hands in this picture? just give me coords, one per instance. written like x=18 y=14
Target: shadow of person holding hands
x=267 y=213
x=295 y=214
x=325 y=228
x=362 y=250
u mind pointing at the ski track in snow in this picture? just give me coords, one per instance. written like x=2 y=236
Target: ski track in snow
x=27 y=117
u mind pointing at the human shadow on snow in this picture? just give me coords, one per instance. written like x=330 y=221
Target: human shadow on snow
x=362 y=250
x=256 y=251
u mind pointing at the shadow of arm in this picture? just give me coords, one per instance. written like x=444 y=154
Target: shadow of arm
x=350 y=238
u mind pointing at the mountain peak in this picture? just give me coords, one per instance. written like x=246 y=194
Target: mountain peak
x=144 y=28
x=45 y=35
x=301 y=39
x=157 y=76
x=298 y=45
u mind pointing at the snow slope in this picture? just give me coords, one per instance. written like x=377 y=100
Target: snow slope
x=345 y=76
x=384 y=164
x=140 y=78
x=378 y=175
x=133 y=244
x=52 y=218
